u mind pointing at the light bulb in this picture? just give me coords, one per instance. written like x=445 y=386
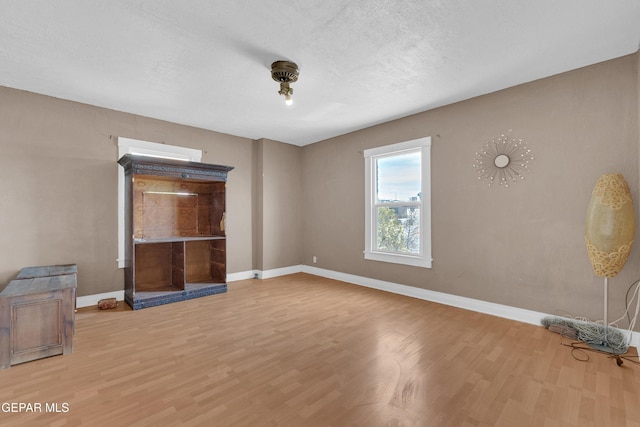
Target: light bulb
x=288 y=100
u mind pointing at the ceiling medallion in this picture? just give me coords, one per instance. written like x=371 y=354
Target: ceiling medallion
x=502 y=160
x=285 y=72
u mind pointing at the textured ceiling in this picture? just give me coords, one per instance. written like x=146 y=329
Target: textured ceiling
x=206 y=63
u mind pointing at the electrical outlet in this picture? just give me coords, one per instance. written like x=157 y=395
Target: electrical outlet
x=315 y=259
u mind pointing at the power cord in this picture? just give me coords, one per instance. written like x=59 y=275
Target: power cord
x=626 y=298
x=580 y=352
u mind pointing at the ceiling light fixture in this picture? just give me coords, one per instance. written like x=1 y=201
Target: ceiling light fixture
x=285 y=72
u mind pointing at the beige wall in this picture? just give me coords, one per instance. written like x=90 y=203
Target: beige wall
x=521 y=246
x=59 y=179
x=257 y=219
x=278 y=241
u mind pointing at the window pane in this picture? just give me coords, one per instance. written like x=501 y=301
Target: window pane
x=398 y=177
x=398 y=229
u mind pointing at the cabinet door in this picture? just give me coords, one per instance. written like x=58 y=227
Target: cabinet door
x=40 y=325
x=36 y=329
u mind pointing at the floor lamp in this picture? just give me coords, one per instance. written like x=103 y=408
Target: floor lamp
x=609 y=231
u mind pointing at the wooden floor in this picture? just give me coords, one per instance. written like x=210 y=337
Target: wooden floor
x=306 y=351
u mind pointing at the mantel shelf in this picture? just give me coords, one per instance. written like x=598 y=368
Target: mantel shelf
x=177 y=239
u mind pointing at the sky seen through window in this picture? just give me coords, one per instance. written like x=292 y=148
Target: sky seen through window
x=398 y=176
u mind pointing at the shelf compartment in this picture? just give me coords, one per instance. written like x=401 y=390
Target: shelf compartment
x=205 y=261
x=159 y=267
x=164 y=208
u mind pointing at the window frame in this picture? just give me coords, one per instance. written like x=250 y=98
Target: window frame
x=151 y=149
x=423 y=259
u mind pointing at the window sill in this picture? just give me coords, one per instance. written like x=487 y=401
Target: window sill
x=412 y=260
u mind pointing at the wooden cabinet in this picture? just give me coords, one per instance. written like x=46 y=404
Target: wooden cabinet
x=174 y=226
x=37 y=314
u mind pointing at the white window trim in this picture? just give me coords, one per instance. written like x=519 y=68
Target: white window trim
x=151 y=149
x=370 y=155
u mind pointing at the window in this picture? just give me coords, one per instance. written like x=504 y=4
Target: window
x=145 y=148
x=398 y=208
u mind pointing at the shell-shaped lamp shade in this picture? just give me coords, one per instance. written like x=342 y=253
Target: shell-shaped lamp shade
x=610 y=225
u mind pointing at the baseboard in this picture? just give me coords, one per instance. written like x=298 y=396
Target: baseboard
x=243 y=275
x=504 y=311
x=268 y=274
x=89 y=300
x=507 y=312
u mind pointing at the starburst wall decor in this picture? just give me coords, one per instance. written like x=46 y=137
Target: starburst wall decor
x=502 y=160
